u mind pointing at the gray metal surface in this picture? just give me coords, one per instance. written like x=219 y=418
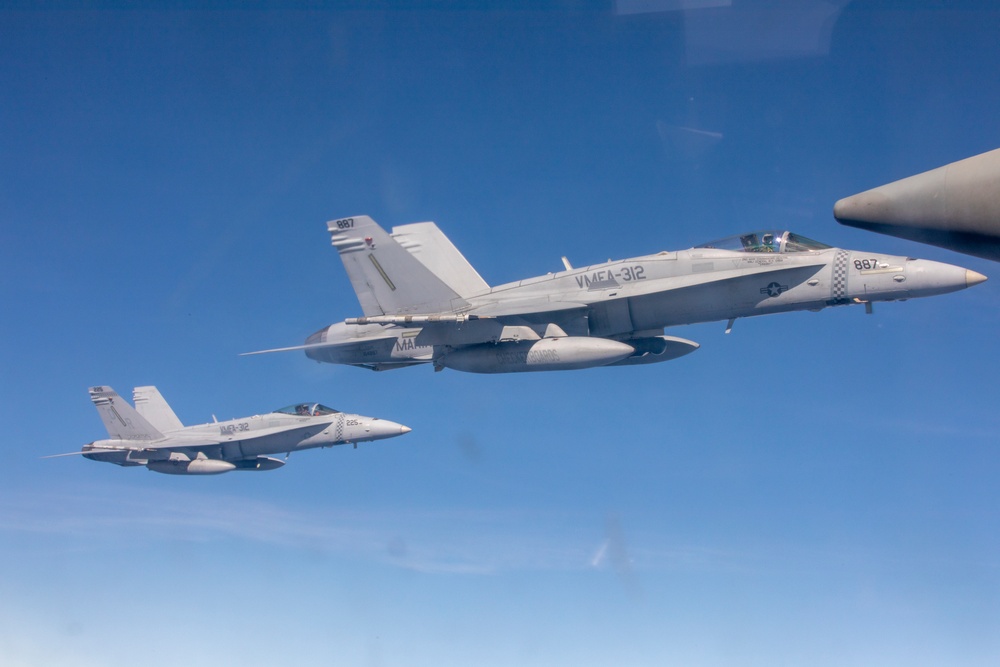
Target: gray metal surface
x=956 y=206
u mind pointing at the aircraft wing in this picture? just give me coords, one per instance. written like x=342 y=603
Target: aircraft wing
x=565 y=310
x=381 y=319
x=539 y=306
x=83 y=451
x=494 y=310
x=542 y=309
x=199 y=444
x=485 y=322
x=307 y=346
x=195 y=443
x=113 y=450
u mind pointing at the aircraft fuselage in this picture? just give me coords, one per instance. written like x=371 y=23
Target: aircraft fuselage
x=242 y=443
x=635 y=299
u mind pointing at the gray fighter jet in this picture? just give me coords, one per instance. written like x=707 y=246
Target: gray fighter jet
x=151 y=435
x=424 y=303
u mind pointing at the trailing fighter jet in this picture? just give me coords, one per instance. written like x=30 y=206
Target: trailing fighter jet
x=424 y=303
x=151 y=435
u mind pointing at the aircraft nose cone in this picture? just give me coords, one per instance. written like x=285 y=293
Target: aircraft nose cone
x=973 y=278
x=383 y=428
x=926 y=277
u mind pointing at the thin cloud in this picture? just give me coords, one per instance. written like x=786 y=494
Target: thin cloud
x=433 y=541
x=444 y=541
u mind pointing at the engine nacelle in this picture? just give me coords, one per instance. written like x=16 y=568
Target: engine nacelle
x=548 y=354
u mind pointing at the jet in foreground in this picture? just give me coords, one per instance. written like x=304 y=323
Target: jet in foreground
x=151 y=435
x=424 y=303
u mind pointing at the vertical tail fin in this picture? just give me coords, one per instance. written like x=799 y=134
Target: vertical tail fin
x=120 y=418
x=434 y=250
x=154 y=408
x=387 y=279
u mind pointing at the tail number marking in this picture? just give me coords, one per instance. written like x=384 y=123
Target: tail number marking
x=346 y=223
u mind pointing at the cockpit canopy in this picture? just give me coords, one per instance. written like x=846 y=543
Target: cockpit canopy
x=307 y=410
x=767 y=241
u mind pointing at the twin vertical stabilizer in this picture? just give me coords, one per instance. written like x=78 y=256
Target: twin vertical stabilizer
x=120 y=418
x=150 y=404
x=387 y=278
x=426 y=242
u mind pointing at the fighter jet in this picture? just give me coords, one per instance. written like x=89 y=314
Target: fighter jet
x=423 y=303
x=151 y=435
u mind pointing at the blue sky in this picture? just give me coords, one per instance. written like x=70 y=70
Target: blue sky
x=814 y=488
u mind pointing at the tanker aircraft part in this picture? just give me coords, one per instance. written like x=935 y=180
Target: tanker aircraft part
x=956 y=206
